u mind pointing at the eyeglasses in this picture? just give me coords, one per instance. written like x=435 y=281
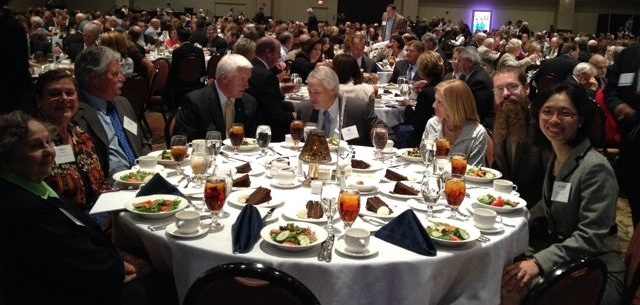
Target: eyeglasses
x=561 y=113
x=510 y=87
x=57 y=94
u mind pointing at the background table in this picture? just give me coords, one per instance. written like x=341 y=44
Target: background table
x=467 y=275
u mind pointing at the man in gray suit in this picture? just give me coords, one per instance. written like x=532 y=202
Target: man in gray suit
x=366 y=64
x=217 y=106
x=103 y=113
x=325 y=105
x=408 y=67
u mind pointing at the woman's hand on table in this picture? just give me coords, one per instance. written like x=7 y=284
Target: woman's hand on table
x=516 y=276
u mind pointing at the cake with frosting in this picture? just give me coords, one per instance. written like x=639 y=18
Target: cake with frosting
x=403 y=189
x=314 y=209
x=243 y=168
x=377 y=205
x=242 y=181
x=359 y=164
x=259 y=196
x=394 y=176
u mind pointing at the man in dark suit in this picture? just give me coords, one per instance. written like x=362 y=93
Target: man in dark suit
x=107 y=117
x=216 y=107
x=215 y=43
x=469 y=64
x=264 y=86
x=622 y=95
x=312 y=21
x=198 y=35
x=430 y=41
x=180 y=86
x=324 y=108
x=357 y=51
x=408 y=67
x=90 y=33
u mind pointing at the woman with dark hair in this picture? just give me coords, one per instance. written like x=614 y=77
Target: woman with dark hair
x=394 y=50
x=307 y=58
x=78 y=178
x=430 y=69
x=327 y=48
x=579 y=195
x=350 y=78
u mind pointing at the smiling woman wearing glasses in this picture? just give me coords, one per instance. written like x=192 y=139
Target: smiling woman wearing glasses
x=579 y=195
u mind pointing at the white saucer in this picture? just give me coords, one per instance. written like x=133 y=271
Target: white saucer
x=497 y=228
x=173 y=231
x=157 y=169
x=295 y=184
x=342 y=249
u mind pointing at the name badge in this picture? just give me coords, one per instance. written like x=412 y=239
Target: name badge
x=75 y=220
x=626 y=79
x=349 y=133
x=384 y=23
x=561 y=191
x=64 y=154
x=130 y=125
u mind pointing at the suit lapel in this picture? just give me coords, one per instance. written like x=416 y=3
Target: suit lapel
x=314 y=116
x=215 y=110
x=90 y=117
x=574 y=159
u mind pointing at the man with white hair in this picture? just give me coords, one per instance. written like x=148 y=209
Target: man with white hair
x=154 y=29
x=468 y=64
x=583 y=76
x=601 y=64
x=217 y=107
x=326 y=107
x=554 y=47
x=487 y=55
x=312 y=21
x=90 y=33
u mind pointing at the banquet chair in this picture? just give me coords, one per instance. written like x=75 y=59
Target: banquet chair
x=135 y=89
x=248 y=284
x=547 y=82
x=632 y=274
x=190 y=74
x=212 y=65
x=168 y=128
x=157 y=101
x=576 y=282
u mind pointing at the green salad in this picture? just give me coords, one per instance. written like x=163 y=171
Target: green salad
x=137 y=176
x=447 y=232
x=333 y=141
x=247 y=142
x=500 y=202
x=293 y=235
x=156 y=206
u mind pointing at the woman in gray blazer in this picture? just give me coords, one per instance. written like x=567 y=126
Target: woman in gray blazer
x=579 y=194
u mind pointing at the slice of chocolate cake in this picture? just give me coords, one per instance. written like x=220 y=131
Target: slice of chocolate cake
x=403 y=189
x=244 y=168
x=314 y=209
x=359 y=164
x=394 y=176
x=242 y=181
x=259 y=196
x=375 y=203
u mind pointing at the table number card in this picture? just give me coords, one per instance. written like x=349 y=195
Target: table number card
x=349 y=133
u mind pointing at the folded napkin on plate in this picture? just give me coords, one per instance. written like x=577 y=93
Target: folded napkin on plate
x=158 y=185
x=245 y=232
x=407 y=232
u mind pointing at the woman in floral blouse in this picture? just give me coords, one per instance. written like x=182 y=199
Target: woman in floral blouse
x=77 y=175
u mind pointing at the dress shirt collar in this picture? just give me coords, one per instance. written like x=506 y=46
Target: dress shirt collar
x=40 y=189
x=96 y=102
x=264 y=62
x=222 y=96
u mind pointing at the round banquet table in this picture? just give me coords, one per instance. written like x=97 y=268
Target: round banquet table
x=470 y=274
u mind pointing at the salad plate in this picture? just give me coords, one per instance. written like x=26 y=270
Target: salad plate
x=451 y=233
x=481 y=174
x=499 y=202
x=156 y=206
x=304 y=236
x=409 y=154
x=132 y=177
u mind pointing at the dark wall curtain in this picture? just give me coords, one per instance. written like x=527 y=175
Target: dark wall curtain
x=367 y=11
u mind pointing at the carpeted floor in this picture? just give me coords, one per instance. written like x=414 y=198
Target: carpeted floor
x=623 y=218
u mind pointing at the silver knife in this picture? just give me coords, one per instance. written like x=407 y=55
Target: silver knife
x=273 y=150
x=266 y=216
x=329 y=253
x=323 y=249
x=226 y=155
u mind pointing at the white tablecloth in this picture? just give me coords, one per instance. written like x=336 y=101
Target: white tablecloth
x=466 y=275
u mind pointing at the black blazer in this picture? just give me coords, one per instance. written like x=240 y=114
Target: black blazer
x=482 y=88
x=423 y=112
x=272 y=109
x=201 y=112
x=368 y=65
x=400 y=69
x=44 y=248
x=302 y=65
x=187 y=49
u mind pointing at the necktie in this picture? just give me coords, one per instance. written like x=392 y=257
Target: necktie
x=326 y=123
x=410 y=72
x=122 y=137
x=228 y=115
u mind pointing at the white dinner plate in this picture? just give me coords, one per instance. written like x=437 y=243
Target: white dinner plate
x=238 y=199
x=365 y=212
x=402 y=153
x=341 y=248
x=362 y=183
x=173 y=231
x=293 y=184
x=473 y=232
x=422 y=206
x=292 y=214
x=374 y=166
x=320 y=232
x=118 y=177
x=521 y=203
x=497 y=174
x=158 y=168
x=411 y=176
x=164 y=162
x=253 y=144
x=129 y=205
x=387 y=189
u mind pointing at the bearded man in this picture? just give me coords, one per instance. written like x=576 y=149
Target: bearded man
x=515 y=156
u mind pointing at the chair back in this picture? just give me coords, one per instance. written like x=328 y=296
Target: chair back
x=632 y=276
x=213 y=65
x=169 y=126
x=161 y=74
x=547 y=82
x=248 y=284
x=190 y=69
x=135 y=89
x=576 y=282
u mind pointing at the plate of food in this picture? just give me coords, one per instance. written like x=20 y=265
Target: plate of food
x=164 y=157
x=247 y=144
x=376 y=207
x=260 y=197
x=294 y=236
x=410 y=154
x=499 y=202
x=452 y=233
x=401 y=190
x=311 y=212
x=361 y=166
x=481 y=174
x=395 y=174
x=362 y=183
x=133 y=177
x=156 y=206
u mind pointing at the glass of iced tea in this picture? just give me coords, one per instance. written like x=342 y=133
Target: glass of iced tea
x=458 y=163
x=215 y=194
x=379 y=137
x=236 y=136
x=454 y=192
x=297 y=131
x=178 y=150
x=348 y=206
x=442 y=147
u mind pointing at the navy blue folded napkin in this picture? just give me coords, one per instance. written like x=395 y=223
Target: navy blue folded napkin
x=245 y=232
x=407 y=232
x=159 y=185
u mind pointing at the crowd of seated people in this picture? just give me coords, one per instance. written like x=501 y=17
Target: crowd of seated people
x=475 y=89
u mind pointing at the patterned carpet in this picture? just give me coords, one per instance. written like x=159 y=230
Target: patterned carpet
x=623 y=218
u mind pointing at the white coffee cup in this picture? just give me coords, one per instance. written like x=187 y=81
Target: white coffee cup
x=187 y=222
x=288 y=139
x=285 y=176
x=485 y=218
x=389 y=145
x=147 y=162
x=356 y=240
x=504 y=186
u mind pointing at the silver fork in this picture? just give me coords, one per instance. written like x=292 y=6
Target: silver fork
x=483 y=239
